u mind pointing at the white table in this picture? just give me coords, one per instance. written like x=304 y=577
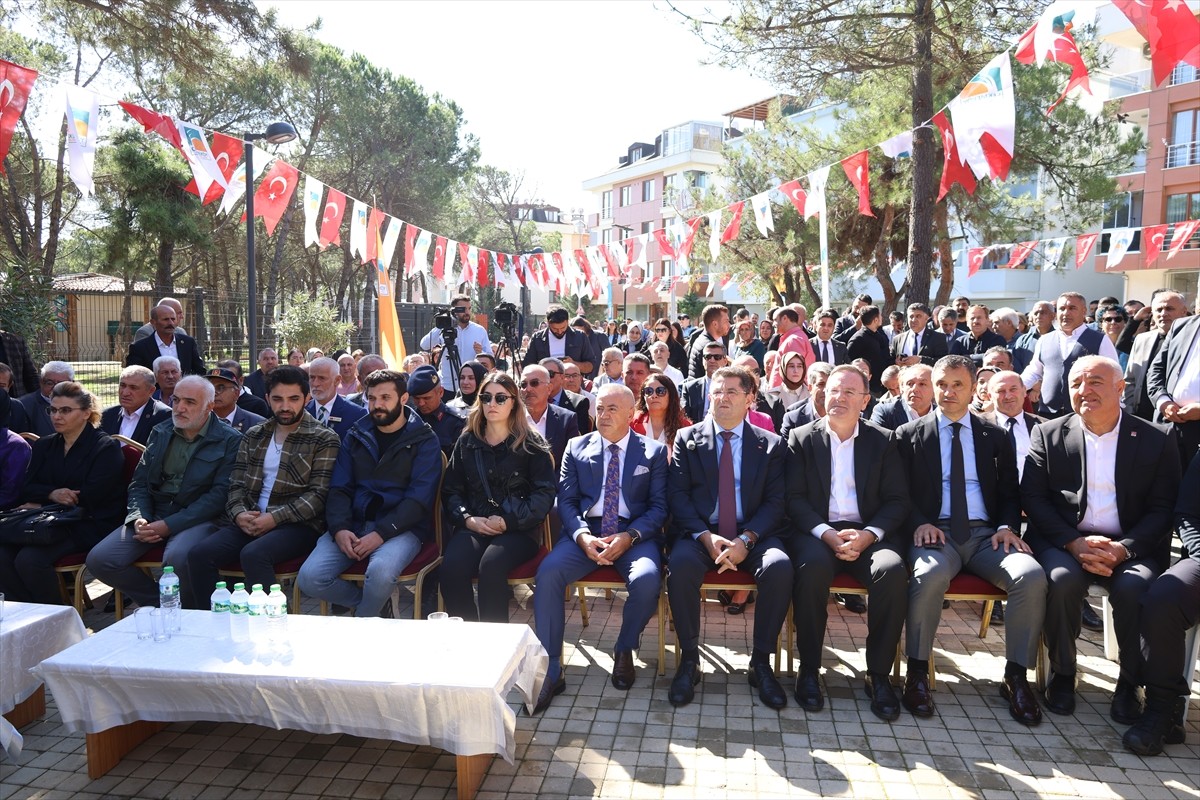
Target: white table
x=441 y=684
x=29 y=633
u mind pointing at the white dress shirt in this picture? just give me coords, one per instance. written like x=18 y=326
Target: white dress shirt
x=1187 y=385
x=1064 y=342
x=129 y=422
x=539 y=425
x=166 y=349
x=597 y=510
x=843 y=489
x=913 y=345
x=1100 y=466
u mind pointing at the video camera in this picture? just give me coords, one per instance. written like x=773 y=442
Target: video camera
x=444 y=321
x=506 y=314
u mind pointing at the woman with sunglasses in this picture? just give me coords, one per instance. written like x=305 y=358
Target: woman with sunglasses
x=1113 y=320
x=469 y=379
x=498 y=489
x=78 y=466
x=665 y=333
x=658 y=412
x=745 y=343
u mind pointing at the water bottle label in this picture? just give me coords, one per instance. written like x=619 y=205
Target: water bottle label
x=220 y=606
x=239 y=608
x=171 y=590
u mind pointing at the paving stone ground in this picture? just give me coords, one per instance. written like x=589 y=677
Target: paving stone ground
x=595 y=741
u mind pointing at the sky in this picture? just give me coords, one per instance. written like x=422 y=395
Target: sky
x=557 y=90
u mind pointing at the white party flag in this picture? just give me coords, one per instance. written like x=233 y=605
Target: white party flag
x=1052 y=252
x=1119 y=240
x=761 y=203
x=714 y=234
x=358 y=230
x=83 y=130
x=815 y=202
x=313 y=190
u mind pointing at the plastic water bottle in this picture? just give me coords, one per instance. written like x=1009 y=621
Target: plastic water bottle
x=258 y=615
x=168 y=598
x=239 y=614
x=219 y=604
x=277 y=616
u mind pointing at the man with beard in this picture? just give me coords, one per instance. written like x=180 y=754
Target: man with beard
x=381 y=500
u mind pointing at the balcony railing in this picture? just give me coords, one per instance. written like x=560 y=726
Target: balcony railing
x=1127 y=84
x=1183 y=154
x=1184 y=73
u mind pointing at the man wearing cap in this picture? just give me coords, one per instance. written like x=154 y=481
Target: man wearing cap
x=226 y=389
x=246 y=400
x=327 y=406
x=425 y=389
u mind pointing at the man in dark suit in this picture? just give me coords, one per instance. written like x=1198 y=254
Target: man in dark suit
x=847 y=495
x=559 y=396
x=805 y=412
x=599 y=344
x=918 y=344
x=1041 y=322
x=166 y=341
x=556 y=424
x=256 y=382
x=728 y=513
x=225 y=394
x=31 y=411
x=716 y=330
x=849 y=321
x=871 y=344
x=1173 y=384
x=825 y=347
x=965 y=514
x=561 y=341
x=980 y=337
x=914 y=402
x=136 y=412
x=427 y=396
x=694 y=394
x=947 y=325
x=1165 y=307
x=613 y=502
x=327 y=406
x=1008 y=398
x=1100 y=496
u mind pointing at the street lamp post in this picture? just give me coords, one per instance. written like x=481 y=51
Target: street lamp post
x=276 y=133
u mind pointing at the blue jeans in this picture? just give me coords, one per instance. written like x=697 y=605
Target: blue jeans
x=319 y=575
x=112 y=562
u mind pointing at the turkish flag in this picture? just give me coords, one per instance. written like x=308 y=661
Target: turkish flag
x=410 y=241
x=857 y=169
x=559 y=273
x=953 y=170
x=1065 y=52
x=468 y=268
x=439 y=258
x=631 y=250
x=735 y=225
x=1170 y=28
x=796 y=194
x=1020 y=253
x=685 y=247
x=481 y=270
x=15 y=84
x=375 y=219
x=975 y=259
x=272 y=195
x=152 y=121
x=1152 y=242
x=227 y=151
x=1083 y=246
x=665 y=250
x=331 y=217
x=614 y=271
x=1180 y=236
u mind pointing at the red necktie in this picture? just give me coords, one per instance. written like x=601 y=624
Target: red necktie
x=726 y=493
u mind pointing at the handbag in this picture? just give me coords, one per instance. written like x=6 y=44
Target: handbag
x=40 y=526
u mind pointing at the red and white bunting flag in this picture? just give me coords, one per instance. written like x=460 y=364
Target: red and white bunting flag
x=499 y=261
x=272 y=196
x=1170 y=28
x=985 y=115
x=439 y=258
x=237 y=182
x=313 y=189
x=614 y=270
x=735 y=225
x=467 y=258
x=1180 y=236
x=543 y=269
x=375 y=220
x=632 y=254
x=558 y=272
x=482 y=278
x=451 y=250
x=761 y=203
x=857 y=169
x=410 y=244
x=975 y=259
x=1049 y=38
x=227 y=152
x=1083 y=246
x=391 y=240
x=953 y=170
x=1021 y=252
x=151 y=121
x=421 y=250
x=687 y=230
x=714 y=234
x=795 y=193
x=358 y=231
x=814 y=203
x=665 y=248
x=1152 y=242
x=331 y=218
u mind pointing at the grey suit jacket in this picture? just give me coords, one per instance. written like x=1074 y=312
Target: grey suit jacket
x=1140 y=356
x=1165 y=369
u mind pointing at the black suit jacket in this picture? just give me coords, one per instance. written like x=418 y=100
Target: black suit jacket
x=975 y=348
x=890 y=414
x=933 y=346
x=256 y=384
x=561 y=426
x=255 y=405
x=577 y=347
x=880 y=485
x=995 y=467
x=872 y=346
x=838 y=347
x=244 y=420
x=30 y=413
x=692 y=480
x=153 y=413
x=1054 y=485
x=692 y=397
x=581 y=406
x=1168 y=364
x=795 y=416
x=144 y=352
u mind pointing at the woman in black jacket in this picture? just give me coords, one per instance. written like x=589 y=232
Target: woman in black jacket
x=664 y=332
x=498 y=489
x=78 y=466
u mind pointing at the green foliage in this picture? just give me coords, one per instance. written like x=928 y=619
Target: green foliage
x=27 y=305
x=691 y=304
x=309 y=322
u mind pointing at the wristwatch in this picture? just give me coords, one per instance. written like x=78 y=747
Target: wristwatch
x=635 y=536
x=746 y=540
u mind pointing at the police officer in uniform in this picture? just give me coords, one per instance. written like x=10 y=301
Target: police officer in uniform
x=426 y=393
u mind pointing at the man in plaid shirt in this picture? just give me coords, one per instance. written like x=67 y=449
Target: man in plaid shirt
x=276 y=506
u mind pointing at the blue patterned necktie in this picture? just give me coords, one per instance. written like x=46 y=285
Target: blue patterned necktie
x=612 y=492
x=322 y=415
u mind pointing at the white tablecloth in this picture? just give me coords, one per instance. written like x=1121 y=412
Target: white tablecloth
x=30 y=633
x=441 y=684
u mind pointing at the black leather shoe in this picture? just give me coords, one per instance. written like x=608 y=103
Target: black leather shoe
x=1022 y=702
x=884 y=703
x=1060 y=694
x=549 y=692
x=1127 y=703
x=1091 y=620
x=854 y=603
x=808 y=690
x=762 y=677
x=623 y=674
x=683 y=686
x=918 y=697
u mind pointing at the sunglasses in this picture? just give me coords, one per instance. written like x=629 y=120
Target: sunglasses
x=534 y=382
x=553 y=373
x=661 y=330
x=1113 y=319
x=652 y=391
x=714 y=357
x=500 y=399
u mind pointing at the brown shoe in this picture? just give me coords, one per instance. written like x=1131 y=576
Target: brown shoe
x=918 y=698
x=1022 y=702
x=623 y=674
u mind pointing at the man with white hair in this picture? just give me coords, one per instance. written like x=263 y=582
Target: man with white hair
x=34 y=416
x=331 y=409
x=1006 y=323
x=167 y=373
x=148 y=329
x=176 y=498
x=136 y=412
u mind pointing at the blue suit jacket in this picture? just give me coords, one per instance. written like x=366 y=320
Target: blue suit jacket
x=643 y=483
x=344 y=412
x=562 y=425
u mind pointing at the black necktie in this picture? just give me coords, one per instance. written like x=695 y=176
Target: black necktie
x=1012 y=434
x=825 y=353
x=960 y=520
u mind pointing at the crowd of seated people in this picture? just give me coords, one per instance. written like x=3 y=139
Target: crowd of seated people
x=901 y=455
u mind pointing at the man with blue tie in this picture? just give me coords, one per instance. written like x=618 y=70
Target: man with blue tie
x=612 y=502
x=327 y=406
x=725 y=492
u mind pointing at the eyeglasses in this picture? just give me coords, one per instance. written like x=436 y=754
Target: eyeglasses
x=1112 y=319
x=654 y=391
x=50 y=381
x=849 y=394
x=500 y=399
x=56 y=411
x=662 y=330
x=719 y=393
x=534 y=382
x=553 y=373
x=714 y=356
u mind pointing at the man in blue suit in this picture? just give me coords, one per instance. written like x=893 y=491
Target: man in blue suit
x=556 y=424
x=329 y=408
x=612 y=499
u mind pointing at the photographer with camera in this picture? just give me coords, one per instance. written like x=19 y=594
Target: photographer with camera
x=559 y=340
x=461 y=339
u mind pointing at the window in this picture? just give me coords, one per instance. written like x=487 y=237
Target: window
x=667 y=267
x=606 y=205
x=626 y=196
x=1125 y=211
x=1182 y=207
x=670 y=189
x=635 y=154
x=647 y=190
x=647 y=227
x=1184 y=73
x=1184 y=149
x=606 y=236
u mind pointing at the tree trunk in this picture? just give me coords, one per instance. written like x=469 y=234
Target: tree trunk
x=883 y=269
x=164 y=283
x=920 y=251
x=945 y=257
